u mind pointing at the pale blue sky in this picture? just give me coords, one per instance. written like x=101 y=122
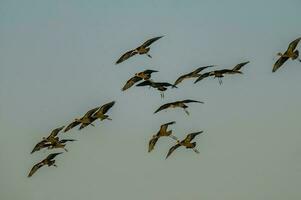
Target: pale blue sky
x=57 y=61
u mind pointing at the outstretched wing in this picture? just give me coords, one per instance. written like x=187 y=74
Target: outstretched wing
x=91 y=112
x=165 y=106
x=71 y=125
x=152 y=143
x=191 y=101
x=131 y=82
x=40 y=146
x=52 y=156
x=164 y=84
x=103 y=109
x=181 y=78
x=126 y=56
x=202 y=76
x=198 y=70
x=279 y=63
x=55 y=132
x=172 y=150
x=293 y=45
x=239 y=66
x=35 y=168
x=67 y=140
x=191 y=136
x=164 y=126
x=145 y=83
x=150 y=41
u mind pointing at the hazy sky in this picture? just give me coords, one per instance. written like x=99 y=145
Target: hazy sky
x=57 y=61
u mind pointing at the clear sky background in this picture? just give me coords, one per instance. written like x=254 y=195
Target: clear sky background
x=57 y=61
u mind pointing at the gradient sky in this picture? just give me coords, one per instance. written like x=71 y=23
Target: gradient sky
x=57 y=61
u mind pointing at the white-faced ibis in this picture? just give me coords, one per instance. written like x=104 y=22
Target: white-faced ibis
x=161 y=86
x=178 y=104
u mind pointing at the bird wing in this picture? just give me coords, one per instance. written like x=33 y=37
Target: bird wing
x=145 y=83
x=152 y=143
x=67 y=140
x=181 y=78
x=126 y=56
x=71 y=125
x=198 y=70
x=149 y=71
x=191 y=101
x=191 y=136
x=55 y=132
x=103 y=109
x=239 y=66
x=150 y=41
x=164 y=84
x=52 y=156
x=165 y=106
x=164 y=126
x=91 y=112
x=131 y=82
x=279 y=63
x=172 y=150
x=293 y=45
x=84 y=125
x=40 y=146
x=202 y=76
x=35 y=168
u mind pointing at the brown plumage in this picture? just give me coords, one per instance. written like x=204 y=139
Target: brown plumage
x=86 y=119
x=161 y=133
x=47 y=161
x=186 y=143
x=289 y=53
x=220 y=73
x=161 y=86
x=193 y=74
x=143 y=49
x=146 y=75
x=179 y=104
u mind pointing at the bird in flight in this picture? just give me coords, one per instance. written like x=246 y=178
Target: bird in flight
x=47 y=161
x=185 y=143
x=179 y=104
x=289 y=53
x=145 y=75
x=193 y=74
x=99 y=114
x=220 y=73
x=143 y=49
x=161 y=86
x=46 y=141
x=161 y=133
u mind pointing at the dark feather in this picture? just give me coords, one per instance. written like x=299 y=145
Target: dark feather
x=150 y=41
x=126 y=56
x=191 y=136
x=172 y=150
x=131 y=82
x=279 y=63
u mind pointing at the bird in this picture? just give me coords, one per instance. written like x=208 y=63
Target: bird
x=193 y=74
x=86 y=119
x=146 y=75
x=60 y=143
x=47 y=161
x=161 y=133
x=180 y=104
x=220 y=73
x=143 y=49
x=289 y=53
x=185 y=143
x=99 y=114
x=161 y=86
x=46 y=141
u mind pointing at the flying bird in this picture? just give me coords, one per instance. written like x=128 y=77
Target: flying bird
x=60 y=144
x=86 y=119
x=161 y=133
x=185 y=143
x=193 y=74
x=161 y=86
x=47 y=161
x=179 y=104
x=99 y=114
x=220 y=73
x=146 y=75
x=46 y=141
x=143 y=49
x=289 y=53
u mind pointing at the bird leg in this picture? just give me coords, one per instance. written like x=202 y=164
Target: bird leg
x=109 y=118
x=92 y=125
x=186 y=111
x=149 y=55
x=162 y=95
x=195 y=150
x=173 y=137
x=54 y=165
x=299 y=60
x=65 y=149
x=220 y=81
